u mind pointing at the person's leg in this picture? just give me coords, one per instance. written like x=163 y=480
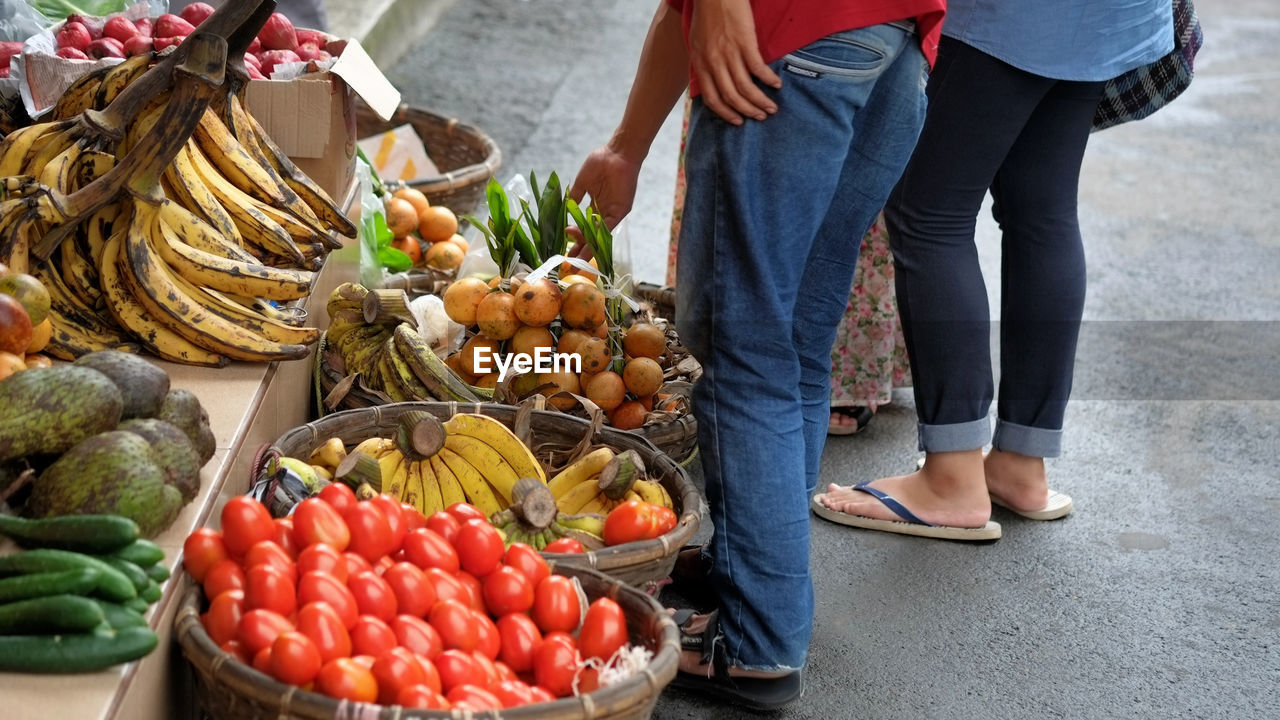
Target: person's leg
x=757 y=197
x=978 y=106
x=1042 y=290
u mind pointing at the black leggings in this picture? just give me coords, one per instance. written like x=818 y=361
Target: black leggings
x=991 y=126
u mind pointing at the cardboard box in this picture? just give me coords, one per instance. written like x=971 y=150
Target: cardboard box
x=312 y=117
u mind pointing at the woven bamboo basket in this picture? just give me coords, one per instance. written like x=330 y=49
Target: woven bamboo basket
x=465 y=156
x=556 y=439
x=227 y=689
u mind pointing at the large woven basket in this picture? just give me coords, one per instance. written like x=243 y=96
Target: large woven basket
x=465 y=156
x=676 y=437
x=554 y=438
x=227 y=689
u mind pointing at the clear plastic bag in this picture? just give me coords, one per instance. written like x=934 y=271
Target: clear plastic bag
x=19 y=21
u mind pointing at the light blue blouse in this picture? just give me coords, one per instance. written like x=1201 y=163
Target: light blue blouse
x=1065 y=39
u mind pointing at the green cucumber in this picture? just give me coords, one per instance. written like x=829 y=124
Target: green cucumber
x=80 y=533
x=140 y=552
x=112 y=584
x=80 y=581
x=121 y=617
x=158 y=573
x=136 y=575
x=136 y=604
x=87 y=652
x=151 y=593
x=50 y=614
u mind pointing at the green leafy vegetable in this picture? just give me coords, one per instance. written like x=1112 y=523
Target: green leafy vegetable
x=58 y=10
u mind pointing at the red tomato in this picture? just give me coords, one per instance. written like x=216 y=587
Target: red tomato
x=519 y=636
x=488 y=640
x=504 y=671
x=223 y=617
x=458 y=668
x=455 y=623
x=201 y=551
x=564 y=545
x=339 y=495
x=347 y=679
x=444 y=524
x=433 y=675
x=528 y=561
x=322 y=558
x=540 y=694
x=266 y=586
x=417 y=635
x=412 y=518
x=232 y=648
x=373 y=595
x=631 y=521
x=473 y=698
x=268 y=552
x=244 y=522
x=513 y=693
x=317 y=586
x=365 y=661
x=259 y=628
x=422 y=697
x=414 y=594
x=294 y=658
x=556 y=604
x=428 y=549
x=316 y=521
x=396 y=519
x=588 y=680
x=284 y=536
x=320 y=622
x=371 y=636
x=262 y=661
x=395 y=670
x=475 y=590
x=480 y=547
x=356 y=564
x=370 y=531
x=383 y=565
x=604 y=629
x=555 y=665
x=507 y=590
x=224 y=575
x=465 y=511
x=490 y=670
x=667 y=519
x=447 y=586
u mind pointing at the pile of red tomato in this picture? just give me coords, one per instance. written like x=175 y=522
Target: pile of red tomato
x=369 y=601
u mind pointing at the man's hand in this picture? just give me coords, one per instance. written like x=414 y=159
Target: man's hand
x=610 y=178
x=726 y=60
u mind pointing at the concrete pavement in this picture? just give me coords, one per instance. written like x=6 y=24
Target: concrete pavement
x=1157 y=598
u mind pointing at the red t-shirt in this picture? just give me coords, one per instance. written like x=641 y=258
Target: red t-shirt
x=786 y=25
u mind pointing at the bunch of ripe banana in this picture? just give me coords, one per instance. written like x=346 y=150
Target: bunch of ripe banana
x=374 y=333
x=164 y=220
x=601 y=480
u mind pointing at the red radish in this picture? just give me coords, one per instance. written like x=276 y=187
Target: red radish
x=307 y=51
x=252 y=60
x=170 y=25
x=93 y=24
x=144 y=26
x=71 y=53
x=255 y=47
x=119 y=28
x=105 y=47
x=196 y=12
x=8 y=49
x=271 y=58
x=138 y=45
x=315 y=37
x=74 y=35
x=255 y=73
x=162 y=43
x=278 y=33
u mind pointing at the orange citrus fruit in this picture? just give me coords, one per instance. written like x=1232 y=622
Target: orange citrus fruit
x=444 y=256
x=437 y=224
x=414 y=197
x=402 y=218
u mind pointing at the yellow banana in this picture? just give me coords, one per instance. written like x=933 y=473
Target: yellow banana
x=118 y=78
x=587 y=466
x=389 y=464
x=16 y=145
x=233 y=276
x=451 y=491
x=98 y=229
x=123 y=304
x=186 y=187
x=408 y=382
x=473 y=483
x=413 y=485
x=72 y=308
x=597 y=504
x=493 y=468
x=374 y=447
x=497 y=436
x=78 y=272
x=233 y=161
x=69 y=342
x=430 y=500
x=649 y=492
x=79 y=96
x=92 y=165
x=234 y=312
x=391 y=383
x=347 y=296
x=165 y=300
x=46 y=148
x=57 y=174
x=194 y=231
x=256 y=228
x=579 y=495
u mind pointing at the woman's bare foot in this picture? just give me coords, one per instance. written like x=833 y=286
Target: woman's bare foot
x=949 y=490
x=691 y=660
x=1017 y=481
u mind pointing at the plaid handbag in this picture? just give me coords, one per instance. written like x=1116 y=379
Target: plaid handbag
x=1142 y=91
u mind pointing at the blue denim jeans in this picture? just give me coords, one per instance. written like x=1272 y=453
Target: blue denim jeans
x=773 y=217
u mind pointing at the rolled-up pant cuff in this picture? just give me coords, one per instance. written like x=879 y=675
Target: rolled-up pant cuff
x=1025 y=440
x=956 y=437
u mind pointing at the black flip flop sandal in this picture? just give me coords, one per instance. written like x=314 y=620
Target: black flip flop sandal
x=759 y=694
